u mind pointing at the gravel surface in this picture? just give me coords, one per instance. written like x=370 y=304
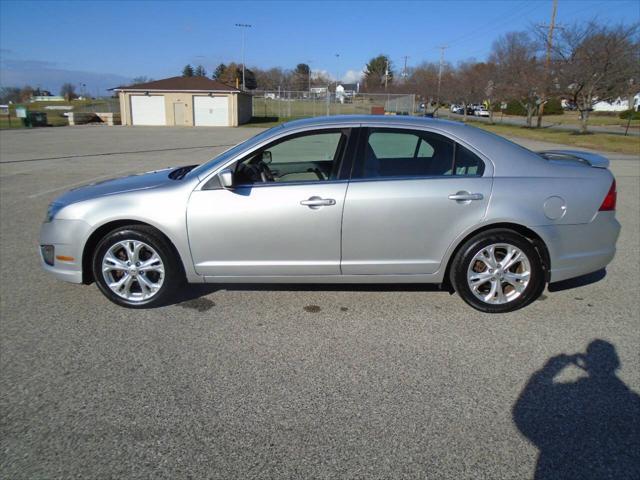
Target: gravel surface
x=298 y=382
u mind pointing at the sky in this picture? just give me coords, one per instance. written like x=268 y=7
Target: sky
x=102 y=44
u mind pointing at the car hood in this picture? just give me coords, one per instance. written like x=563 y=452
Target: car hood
x=142 y=181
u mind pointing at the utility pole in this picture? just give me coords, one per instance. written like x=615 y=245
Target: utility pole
x=337 y=69
x=386 y=75
x=309 y=62
x=547 y=63
x=404 y=70
x=442 y=49
x=243 y=27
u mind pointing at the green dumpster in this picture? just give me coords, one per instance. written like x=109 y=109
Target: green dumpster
x=37 y=119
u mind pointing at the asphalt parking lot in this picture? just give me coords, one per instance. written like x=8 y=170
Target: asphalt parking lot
x=293 y=382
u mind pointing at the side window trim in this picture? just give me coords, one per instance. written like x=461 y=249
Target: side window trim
x=363 y=137
x=340 y=155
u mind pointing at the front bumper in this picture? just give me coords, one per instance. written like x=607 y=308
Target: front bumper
x=67 y=238
x=576 y=250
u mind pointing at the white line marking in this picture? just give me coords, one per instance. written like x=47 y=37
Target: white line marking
x=77 y=184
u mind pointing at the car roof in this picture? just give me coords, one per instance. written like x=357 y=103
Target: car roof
x=387 y=120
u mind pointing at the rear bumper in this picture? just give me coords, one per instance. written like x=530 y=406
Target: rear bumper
x=576 y=250
x=67 y=238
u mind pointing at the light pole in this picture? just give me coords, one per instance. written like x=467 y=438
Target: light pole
x=442 y=49
x=243 y=26
x=337 y=69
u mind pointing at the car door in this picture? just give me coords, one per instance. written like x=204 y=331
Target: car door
x=287 y=225
x=412 y=193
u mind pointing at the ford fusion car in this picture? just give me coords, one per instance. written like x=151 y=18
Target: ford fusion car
x=349 y=199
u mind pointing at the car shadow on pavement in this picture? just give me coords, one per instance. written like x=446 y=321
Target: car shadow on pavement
x=584 y=429
x=581 y=281
x=193 y=292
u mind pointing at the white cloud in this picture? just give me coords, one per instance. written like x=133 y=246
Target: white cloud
x=352 y=76
x=321 y=73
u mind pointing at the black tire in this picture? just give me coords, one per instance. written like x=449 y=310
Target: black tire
x=462 y=262
x=174 y=277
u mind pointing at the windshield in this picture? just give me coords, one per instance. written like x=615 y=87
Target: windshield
x=227 y=154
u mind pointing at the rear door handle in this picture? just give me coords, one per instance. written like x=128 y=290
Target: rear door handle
x=317 y=202
x=465 y=196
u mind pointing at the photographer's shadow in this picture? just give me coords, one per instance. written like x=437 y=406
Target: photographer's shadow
x=584 y=429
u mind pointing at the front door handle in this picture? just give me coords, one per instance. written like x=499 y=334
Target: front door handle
x=464 y=196
x=317 y=202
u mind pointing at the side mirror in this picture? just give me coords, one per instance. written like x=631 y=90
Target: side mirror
x=226 y=178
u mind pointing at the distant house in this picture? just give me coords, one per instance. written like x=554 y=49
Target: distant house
x=350 y=89
x=319 y=92
x=617 y=105
x=184 y=101
x=46 y=98
x=346 y=91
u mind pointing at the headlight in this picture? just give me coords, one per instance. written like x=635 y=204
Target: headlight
x=52 y=210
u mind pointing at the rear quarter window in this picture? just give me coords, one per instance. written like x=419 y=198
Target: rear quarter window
x=467 y=163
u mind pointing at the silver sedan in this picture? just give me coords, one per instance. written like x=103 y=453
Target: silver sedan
x=350 y=199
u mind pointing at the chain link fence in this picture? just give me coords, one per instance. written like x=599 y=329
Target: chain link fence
x=101 y=105
x=319 y=102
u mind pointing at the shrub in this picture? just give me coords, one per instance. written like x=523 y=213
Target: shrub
x=514 y=108
x=552 y=107
x=630 y=113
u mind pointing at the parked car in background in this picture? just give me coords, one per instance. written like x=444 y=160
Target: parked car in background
x=481 y=112
x=348 y=199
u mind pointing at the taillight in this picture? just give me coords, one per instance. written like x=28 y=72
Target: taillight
x=609 y=202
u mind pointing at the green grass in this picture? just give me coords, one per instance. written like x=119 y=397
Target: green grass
x=55 y=118
x=573 y=118
x=596 y=141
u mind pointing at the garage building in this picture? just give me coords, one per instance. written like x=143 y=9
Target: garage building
x=184 y=101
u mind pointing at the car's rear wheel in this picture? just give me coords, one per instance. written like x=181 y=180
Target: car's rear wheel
x=134 y=266
x=498 y=271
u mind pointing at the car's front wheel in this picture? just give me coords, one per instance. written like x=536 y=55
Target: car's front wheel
x=135 y=267
x=498 y=271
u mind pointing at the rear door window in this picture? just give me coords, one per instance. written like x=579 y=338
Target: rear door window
x=405 y=153
x=389 y=153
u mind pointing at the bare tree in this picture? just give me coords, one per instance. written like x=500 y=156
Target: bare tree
x=519 y=72
x=423 y=80
x=68 y=91
x=26 y=93
x=596 y=62
x=141 y=79
x=273 y=78
x=468 y=85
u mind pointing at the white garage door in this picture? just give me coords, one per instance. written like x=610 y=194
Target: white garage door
x=147 y=110
x=211 y=111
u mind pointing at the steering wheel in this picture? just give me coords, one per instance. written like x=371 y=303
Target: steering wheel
x=264 y=172
x=318 y=173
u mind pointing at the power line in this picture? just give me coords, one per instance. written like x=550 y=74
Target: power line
x=509 y=15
